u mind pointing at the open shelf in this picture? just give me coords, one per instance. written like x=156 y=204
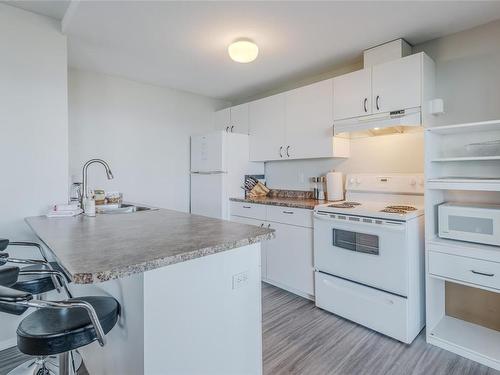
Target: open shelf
x=482 y=126
x=480 y=341
x=467 y=158
x=466 y=249
x=464 y=183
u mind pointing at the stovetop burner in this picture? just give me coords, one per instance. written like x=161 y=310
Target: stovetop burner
x=398 y=209
x=344 y=205
x=402 y=207
x=394 y=210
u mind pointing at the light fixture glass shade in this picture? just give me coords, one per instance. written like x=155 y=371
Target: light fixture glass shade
x=243 y=51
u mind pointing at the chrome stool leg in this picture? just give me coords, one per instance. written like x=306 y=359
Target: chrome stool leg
x=36 y=366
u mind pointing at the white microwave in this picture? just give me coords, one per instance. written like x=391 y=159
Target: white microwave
x=470 y=222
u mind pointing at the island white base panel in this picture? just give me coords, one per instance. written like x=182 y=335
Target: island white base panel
x=201 y=316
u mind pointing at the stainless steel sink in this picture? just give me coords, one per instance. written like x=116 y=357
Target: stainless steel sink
x=124 y=208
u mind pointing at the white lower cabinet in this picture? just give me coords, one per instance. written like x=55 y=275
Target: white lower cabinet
x=263 y=245
x=287 y=259
x=290 y=258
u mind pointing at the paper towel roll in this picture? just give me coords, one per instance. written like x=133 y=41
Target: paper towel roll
x=334 y=186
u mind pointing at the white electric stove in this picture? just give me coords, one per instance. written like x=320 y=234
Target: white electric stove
x=369 y=254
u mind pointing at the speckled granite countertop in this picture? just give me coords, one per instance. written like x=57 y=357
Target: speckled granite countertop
x=108 y=246
x=293 y=202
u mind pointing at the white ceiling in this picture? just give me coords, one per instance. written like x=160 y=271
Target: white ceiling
x=51 y=8
x=183 y=44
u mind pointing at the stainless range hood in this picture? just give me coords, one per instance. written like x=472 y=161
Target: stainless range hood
x=380 y=123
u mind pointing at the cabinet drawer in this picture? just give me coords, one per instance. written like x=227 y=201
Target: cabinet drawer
x=252 y=210
x=287 y=215
x=474 y=271
x=380 y=311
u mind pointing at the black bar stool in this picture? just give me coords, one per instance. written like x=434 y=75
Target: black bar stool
x=57 y=327
x=40 y=276
x=32 y=282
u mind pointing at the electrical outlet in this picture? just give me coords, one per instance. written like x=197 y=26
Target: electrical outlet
x=240 y=279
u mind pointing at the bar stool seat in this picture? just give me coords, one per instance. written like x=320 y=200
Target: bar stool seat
x=50 y=331
x=37 y=284
x=9 y=276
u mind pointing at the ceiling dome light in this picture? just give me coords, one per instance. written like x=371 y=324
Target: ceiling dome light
x=243 y=51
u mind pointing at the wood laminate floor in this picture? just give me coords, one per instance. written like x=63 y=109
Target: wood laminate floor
x=301 y=339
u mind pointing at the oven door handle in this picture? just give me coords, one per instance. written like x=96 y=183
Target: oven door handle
x=385 y=225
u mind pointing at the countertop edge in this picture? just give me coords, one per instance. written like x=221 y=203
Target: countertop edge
x=112 y=274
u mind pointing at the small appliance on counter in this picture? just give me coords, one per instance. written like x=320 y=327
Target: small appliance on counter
x=470 y=222
x=334 y=186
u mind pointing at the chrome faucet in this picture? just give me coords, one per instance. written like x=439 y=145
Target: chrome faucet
x=85 y=178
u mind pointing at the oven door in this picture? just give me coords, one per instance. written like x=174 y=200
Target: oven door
x=365 y=250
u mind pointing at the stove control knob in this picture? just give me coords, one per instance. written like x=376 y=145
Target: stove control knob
x=351 y=181
x=413 y=182
x=358 y=180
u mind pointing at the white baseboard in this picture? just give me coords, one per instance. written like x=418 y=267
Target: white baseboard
x=9 y=343
x=288 y=289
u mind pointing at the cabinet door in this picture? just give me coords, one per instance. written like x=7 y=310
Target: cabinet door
x=352 y=95
x=397 y=84
x=290 y=258
x=239 y=119
x=309 y=121
x=222 y=119
x=263 y=244
x=267 y=128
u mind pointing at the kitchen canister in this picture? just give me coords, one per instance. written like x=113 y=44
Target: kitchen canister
x=334 y=186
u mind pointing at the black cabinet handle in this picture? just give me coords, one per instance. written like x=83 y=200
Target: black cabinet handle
x=262 y=225
x=247 y=207
x=482 y=273
x=227 y=129
x=281 y=149
x=288 y=212
x=232 y=127
x=365 y=103
x=376 y=102
x=287 y=148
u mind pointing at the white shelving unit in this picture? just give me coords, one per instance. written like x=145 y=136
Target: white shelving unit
x=452 y=173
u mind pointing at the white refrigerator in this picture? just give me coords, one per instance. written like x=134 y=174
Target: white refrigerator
x=219 y=163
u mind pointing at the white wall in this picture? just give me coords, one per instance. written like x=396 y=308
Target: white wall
x=467 y=73
x=33 y=125
x=141 y=130
x=467 y=78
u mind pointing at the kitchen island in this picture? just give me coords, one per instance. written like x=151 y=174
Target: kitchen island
x=188 y=285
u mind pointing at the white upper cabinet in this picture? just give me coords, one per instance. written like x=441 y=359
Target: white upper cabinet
x=352 y=94
x=297 y=124
x=386 y=87
x=397 y=84
x=267 y=128
x=232 y=120
x=309 y=122
x=222 y=119
x=239 y=119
